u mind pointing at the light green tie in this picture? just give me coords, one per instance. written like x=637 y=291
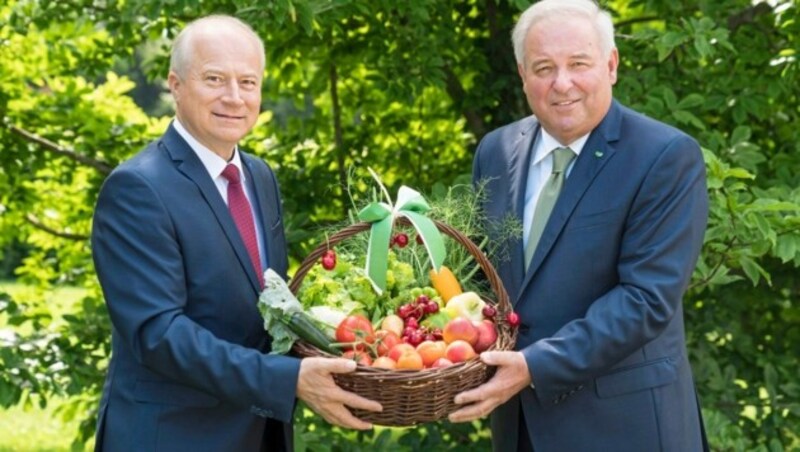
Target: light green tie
x=547 y=199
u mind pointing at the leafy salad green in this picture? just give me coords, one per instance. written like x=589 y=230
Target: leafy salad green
x=331 y=295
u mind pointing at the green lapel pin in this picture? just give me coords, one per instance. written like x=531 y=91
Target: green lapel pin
x=598 y=154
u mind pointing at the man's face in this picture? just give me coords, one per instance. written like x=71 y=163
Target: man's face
x=219 y=96
x=566 y=78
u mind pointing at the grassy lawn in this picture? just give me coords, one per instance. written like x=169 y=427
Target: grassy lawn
x=35 y=429
x=31 y=428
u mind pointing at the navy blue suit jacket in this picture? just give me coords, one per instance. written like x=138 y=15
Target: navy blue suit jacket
x=189 y=368
x=601 y=304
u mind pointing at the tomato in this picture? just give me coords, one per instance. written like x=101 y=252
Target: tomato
x=355 y=329
x=361 y=358
x=385 y=341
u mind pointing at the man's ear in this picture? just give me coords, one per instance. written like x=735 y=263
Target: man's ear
x=174 y=83
x=521 y=72
x=613 y=64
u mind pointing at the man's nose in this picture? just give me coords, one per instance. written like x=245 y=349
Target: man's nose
x=233 y=93
x=563 y=80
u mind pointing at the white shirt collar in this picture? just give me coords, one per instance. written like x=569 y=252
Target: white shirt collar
x=213 y=163
x=547 y=143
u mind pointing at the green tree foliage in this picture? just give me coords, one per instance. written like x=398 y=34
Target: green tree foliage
x=406 y=88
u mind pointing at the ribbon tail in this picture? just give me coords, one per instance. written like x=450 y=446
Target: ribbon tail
x=431 y=237
x=378 y=253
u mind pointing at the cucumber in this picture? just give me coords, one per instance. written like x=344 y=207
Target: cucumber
x=307 y=330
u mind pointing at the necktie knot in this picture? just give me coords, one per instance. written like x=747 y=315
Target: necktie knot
x=231 y=172
x=561 y=159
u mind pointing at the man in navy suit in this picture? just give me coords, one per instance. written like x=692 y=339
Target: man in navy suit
x=600 y=361
x=190 y=368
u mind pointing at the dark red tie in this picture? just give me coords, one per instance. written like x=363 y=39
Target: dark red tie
x=243 y=217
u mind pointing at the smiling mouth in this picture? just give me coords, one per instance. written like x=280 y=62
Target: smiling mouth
x=223 y=116
x=564 y=103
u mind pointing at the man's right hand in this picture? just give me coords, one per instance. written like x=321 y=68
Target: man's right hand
x=316 y=387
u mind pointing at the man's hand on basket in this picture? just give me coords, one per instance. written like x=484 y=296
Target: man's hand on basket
x=316 y=387
x=511 y=377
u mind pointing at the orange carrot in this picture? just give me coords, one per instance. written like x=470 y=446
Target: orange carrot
x=445 y=283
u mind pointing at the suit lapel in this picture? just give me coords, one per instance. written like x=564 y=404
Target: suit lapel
x=519 y=162
x=189 y=164
x=595 y=154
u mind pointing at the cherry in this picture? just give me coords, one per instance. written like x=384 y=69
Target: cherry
x=411 y=322
x=423 y=299
x=489 y=311
x=415 y=338
x=329 y=260
x=404 y=311
x=401 y=240
x=419 y=240
x=513 y=319
x=432 y=307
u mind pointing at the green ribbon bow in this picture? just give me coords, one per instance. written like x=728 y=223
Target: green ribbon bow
x=409 y=204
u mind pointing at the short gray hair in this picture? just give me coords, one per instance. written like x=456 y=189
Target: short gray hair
x=564 y=8
x=182 y=46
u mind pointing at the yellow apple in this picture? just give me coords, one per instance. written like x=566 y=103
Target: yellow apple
x=468 y=305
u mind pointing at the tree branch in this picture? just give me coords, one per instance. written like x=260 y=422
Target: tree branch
x=457 y=93
x=338 y=136
x=99 y=165
x=747 y=15
x=30 y=218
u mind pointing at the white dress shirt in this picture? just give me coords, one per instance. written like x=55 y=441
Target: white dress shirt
x=215 y=165
x=539 y=170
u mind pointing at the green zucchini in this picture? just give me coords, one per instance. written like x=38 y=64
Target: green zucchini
x=307 y=330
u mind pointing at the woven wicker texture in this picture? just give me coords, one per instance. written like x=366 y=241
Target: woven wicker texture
x=411 y=397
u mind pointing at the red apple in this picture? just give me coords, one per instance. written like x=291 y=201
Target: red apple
x=430 y=351
x=410 y=360
x=460 y=328
x=398 y=350
x=441 y=362
x=459 y=351
x=393 y=323
x=487 y=335
x=384 y=362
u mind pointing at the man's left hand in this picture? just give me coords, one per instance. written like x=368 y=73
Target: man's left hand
x=511 y=377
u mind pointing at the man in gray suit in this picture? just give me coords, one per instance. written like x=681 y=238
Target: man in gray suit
x=614 y=209
x=182 y=233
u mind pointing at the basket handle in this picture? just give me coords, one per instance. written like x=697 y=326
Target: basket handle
x=503 y=303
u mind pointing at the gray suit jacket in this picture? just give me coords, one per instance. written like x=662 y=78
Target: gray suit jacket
x=188 y=369
x=602 y=320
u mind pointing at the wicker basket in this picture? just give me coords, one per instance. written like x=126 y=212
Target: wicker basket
x=411 y=397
